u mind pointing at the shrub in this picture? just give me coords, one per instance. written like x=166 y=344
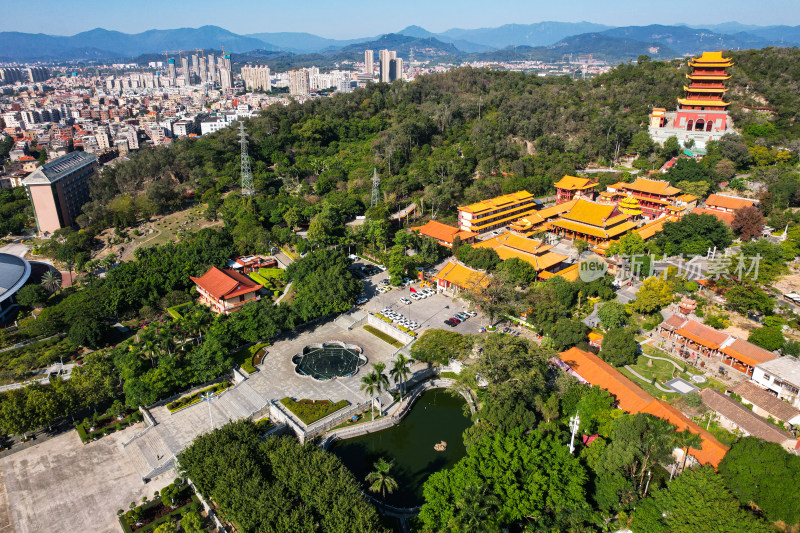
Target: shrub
x=309 y=411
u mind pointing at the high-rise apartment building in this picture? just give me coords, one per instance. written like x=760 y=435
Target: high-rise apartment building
x=225 y=78
x=212 y=69
x=195 y=68
x=185 y=70
x=202 y=72
x=37 y=74
x=299 y=82
x=385 y=57
x=369 y=62
x=171 y=69
x=59 y=189
x=396 y=69
x=257 y=78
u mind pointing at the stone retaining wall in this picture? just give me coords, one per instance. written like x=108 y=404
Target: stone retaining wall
x=389 y=329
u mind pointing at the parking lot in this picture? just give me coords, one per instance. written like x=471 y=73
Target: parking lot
x=430 y=312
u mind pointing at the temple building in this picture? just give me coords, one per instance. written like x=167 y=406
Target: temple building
x=226 y=291
x=495 y=213
x=702 y=113
x=538 y=221
x=723 y=207
x=536 y=253
x=655 y=198
x=444 y=233
x=593 y=222
x=455 y=277
x=571 y=187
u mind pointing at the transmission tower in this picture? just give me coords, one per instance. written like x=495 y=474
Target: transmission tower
x=376 y=188
x=247 y=174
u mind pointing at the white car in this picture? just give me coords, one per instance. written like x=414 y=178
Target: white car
x=429 y=292
x=405 y=301
x=415 y=296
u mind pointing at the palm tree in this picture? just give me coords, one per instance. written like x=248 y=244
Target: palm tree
x=474 y=509
x=379 y=479
x=369 y=384
x=51 y=282
x=70 y=265
x=381 y=379
x=686 y=439
x=400 y=371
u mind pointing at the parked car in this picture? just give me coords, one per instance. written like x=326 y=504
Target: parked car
x=450 y=323
x=472 y=313
x=461 y=316
x=405 y=301
x=456 y=320
x=361 y=301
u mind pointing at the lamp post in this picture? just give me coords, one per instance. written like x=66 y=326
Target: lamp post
x=207 y=397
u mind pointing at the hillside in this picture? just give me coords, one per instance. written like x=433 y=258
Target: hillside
x=685 y=40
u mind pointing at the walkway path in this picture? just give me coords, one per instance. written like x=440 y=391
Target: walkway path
x=635 y=373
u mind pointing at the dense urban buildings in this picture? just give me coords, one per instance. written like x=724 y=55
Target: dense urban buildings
x=59 y=189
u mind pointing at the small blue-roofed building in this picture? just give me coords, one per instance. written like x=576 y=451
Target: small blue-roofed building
x=59 y=188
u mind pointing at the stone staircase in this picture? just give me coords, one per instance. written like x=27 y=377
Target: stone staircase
x=149 y=453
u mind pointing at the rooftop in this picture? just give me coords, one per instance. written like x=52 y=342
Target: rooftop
x=460 y=275
x=633 y=399
x=767 y=401
x=500 y=202
x=728 y=202
x=225 y=284
x=649 y=186
x=14 y=272
x=725 y=217
x=443 y=232
x=54 y=170
x=787 y=368
x=575 y=183
x=743 y=417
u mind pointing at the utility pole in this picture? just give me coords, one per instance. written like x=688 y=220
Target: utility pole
x=574 y=424
x=247 y=174
x=376 y=188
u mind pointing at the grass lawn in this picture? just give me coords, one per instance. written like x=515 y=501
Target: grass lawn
x=721 y=434
x=690 y=370
x=648 y=387
x=384 y=337
x=244 y=357
x=309 y=411
x=361 y=417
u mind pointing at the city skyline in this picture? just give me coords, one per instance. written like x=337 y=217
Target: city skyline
x=360 y=19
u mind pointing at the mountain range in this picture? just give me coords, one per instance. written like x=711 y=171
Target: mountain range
x=539 y=40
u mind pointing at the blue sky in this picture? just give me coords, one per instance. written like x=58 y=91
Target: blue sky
x=358 y=18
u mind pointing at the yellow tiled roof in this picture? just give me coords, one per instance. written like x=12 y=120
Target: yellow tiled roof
x=592 y=213
x=574 y=183
x=510 y=240
x=713 y=103
x=555 y=210
x=705 y=89
x=711 y=59
x=651 y=187
x=687 y=198
x=592 y=230
x=570 y=273
x=497 y=203
x=651 y=228
x=461 y=276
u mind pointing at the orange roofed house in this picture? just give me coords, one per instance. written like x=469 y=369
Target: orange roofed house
x=226 y=291
x=589 y=368
x=445 y=234
x=723 y=207
x=454 y=277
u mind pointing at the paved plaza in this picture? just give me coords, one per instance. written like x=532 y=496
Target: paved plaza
x=64 y=485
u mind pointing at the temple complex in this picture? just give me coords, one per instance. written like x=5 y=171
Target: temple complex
x=535 y=253
x=654 y=198
x=495 y=213
x=593 y=222
x=702 y=114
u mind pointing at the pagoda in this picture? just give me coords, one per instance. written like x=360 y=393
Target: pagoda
x=703 y=108
x=630 y=206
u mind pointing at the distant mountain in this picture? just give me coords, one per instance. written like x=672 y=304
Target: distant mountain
x=424 y=48
x=685 y=40
x=304 y=42
x=106 y=44
x=461 y=44
x=538 y=34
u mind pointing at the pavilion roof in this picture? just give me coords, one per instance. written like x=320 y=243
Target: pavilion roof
x=225 y=284
x=650 y=186
x=574 y=183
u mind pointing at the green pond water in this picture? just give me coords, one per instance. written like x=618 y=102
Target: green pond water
x=436 y=416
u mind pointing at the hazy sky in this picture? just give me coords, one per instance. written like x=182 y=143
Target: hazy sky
x=359 y=18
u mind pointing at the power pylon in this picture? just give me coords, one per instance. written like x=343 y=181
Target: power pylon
x=247 y=174
x=376 y=188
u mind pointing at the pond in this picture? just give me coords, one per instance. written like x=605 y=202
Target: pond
x=436 y=416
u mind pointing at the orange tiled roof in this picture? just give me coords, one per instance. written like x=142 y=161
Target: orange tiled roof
x=570 y=273
x=651 y=187
x=633 y=399
x=225 y=284
x=747 y=353
x=726 y=202
x=443 y=232
x=630 y=397
x=725 y=217
x=702 y=334
x=592 y=213
x=651 y=228
x=574 y=183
